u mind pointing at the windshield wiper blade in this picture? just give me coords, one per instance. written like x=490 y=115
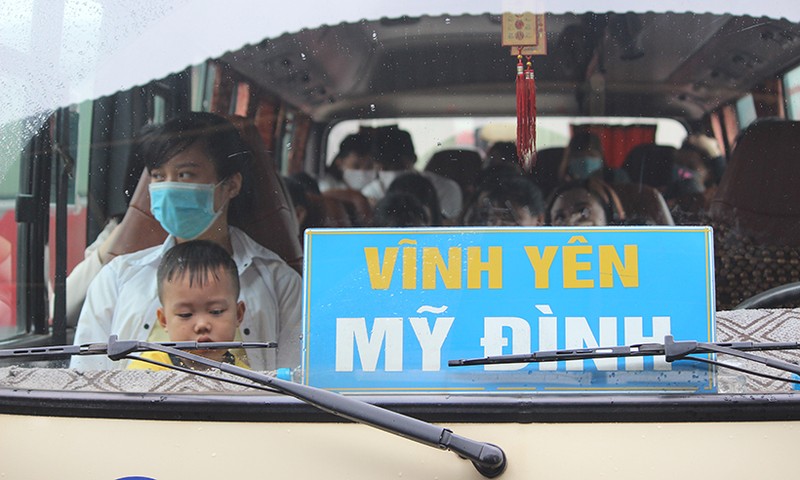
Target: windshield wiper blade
x=672 y=351
x=58 y=351
x=488 y=459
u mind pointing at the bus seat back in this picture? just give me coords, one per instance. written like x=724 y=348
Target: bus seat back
x=461 y=165
x=759 y=192
x=545 y=171
x=356 y=204
x=644 y=202
x=650 y=164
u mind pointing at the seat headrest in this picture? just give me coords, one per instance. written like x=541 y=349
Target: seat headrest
x=460 y=165
x=645 y=202
x=760 y=190
x=650 y=164
x=545 y=171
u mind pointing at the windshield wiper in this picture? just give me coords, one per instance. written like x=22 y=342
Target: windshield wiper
x=672 y=351
x=488 y=459
x=63 y=351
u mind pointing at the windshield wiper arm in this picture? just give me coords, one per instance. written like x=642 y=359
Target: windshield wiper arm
x=488 y=459
x=60 y=351
x=671 y=350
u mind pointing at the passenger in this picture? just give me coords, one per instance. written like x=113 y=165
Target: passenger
x=352 y=167
x=494 y=174
x=583 y=159
x=96 y=255
x=422 y=189
x=691 y=187
x=308 y=182
x=394 y=155
x=399 y=209
x=513 y=201
x=584 y=203
x=502 y=153
x=196 y=164
x=198 y=287
x=711 y=155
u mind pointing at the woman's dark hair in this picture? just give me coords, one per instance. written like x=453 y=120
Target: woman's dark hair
x=599 y=190
x=519 y=191
x=218 y=137
x=198 y=259
x=423 y=190
x=399 y=209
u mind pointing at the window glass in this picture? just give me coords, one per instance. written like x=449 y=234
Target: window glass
x=791 y=90
x=433 y=134
x=745 y=111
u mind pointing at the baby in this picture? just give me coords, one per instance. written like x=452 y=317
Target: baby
x=198 y=287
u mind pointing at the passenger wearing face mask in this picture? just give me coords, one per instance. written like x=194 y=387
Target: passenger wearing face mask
x=196 y=166
x=583 y=159
x=352 y=168
x=395 y=156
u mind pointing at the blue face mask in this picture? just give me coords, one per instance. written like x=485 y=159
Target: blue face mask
x=185 y=210
x=580 y=168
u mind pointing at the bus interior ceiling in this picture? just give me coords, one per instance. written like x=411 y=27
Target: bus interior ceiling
x=655 y=65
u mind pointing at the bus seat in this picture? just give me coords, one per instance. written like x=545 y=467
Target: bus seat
x=645 y=202
x=138 y=229
x=460 y=165
x=760 y=190
x=273 y=224
x=650 y=164
x=545 y=171
x=357 y=205
x=756 y=213
x=326 y=212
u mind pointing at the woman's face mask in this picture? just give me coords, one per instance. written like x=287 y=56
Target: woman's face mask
x=185 y=210
x=357 y=178
x=582 y=167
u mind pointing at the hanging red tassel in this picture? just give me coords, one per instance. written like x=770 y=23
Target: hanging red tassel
x=529 y=157
x=526 y=114
x=525 y=33
x=523 y=128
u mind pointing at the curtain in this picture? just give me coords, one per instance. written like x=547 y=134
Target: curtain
x=619 y=140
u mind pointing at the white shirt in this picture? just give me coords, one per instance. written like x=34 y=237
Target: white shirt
x=122 y=300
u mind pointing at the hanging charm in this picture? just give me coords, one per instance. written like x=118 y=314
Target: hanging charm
x=526 y=34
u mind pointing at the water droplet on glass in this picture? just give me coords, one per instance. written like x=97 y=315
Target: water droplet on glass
x=371 y=107
x=447 y=21
x=303 y=56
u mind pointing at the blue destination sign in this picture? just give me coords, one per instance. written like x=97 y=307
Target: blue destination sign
x=384 y=310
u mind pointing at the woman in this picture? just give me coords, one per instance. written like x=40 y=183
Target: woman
x=584 y=203
x=196 y=165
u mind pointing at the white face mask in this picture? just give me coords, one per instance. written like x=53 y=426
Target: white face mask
x=356 y=178
x=388 y=176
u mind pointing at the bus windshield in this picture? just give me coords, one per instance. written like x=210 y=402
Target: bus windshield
x=390 y=118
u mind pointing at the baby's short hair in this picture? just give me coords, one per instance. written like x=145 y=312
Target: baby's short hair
x=198 y=259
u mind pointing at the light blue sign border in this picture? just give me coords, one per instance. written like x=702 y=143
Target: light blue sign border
x=675 y=278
